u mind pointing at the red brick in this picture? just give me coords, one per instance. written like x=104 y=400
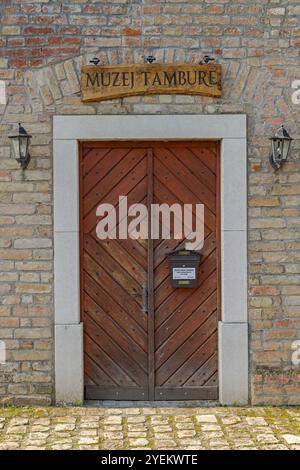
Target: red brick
x=15 y=42
x=36 y=62
x=69 y=30
x=38 y=30
x=35 y=41
x=56 y=51
x=60 y=40
x=131 y=32
x=255 y=167
x=216 y=9
x=49 y=19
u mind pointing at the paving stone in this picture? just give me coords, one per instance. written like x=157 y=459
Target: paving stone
x=191 y=442
x=159 y=419
x=206 y=419
x=291 y=438
x=137 y=434
x=165 y=444
x=16 y=429
x=266 y=438
x=64 y=427
x=137 y=427
x=162 y=428
x=88 y=432
x=88 y=440
x=230 y=420
x=136 y=419
x=138 y=442
x=210 y=427
x=113 y=427
x=113 y=435
x=184 y=426
x=61 y=446
x=186 y=433
x=92 y=425
x=163 y=435
x=19 y=421
x=112 y=420
x=256 y=421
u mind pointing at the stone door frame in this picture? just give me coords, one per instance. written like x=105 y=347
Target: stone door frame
x=231 y=130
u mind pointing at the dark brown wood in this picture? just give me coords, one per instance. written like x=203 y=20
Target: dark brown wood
x=150 y=286
x=170 y=351
x=96 y=392
x=188 y=393
x=186 y=320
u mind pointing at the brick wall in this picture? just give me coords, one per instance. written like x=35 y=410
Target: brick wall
x=42 y=47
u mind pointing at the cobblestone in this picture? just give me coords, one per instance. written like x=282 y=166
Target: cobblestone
x=162 y=427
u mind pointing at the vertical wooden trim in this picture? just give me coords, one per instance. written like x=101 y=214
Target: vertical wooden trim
x=151 y=365
x=218 y=228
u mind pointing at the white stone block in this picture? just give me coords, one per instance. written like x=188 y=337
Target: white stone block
x=233 y=363
x=69 y=363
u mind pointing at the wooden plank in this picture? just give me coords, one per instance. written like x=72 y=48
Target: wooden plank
x=91 y=158
x=116 y=354
x=204 y=374
x=116 y=312
x=122 y=188
x=186 y=187
x=103 y=279
x=150 y=283
x=100 y=83
x=195 y=166
x=207 y=154
x=180 y=166
x=107 y=364
x=186 y=393
x=94 y=374
x=102 y=168
x=94 y=392
x=99 y=316
x=117 y=173
x=186 y=328
x=115 y=270
x=191 y=365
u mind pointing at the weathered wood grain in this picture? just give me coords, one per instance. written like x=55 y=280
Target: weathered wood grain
x=100 y=83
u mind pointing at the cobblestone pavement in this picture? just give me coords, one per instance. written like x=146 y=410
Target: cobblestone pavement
x=150 y=428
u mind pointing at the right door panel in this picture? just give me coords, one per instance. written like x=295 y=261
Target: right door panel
x=186 y=320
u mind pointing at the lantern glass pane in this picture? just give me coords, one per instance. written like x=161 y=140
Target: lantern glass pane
x=15 y=147
x=277 y=148
x=23 y=146
x=285 y=148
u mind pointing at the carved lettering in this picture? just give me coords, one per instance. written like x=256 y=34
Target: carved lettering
x=101 y=83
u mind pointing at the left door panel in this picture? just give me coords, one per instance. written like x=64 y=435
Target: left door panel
x=113 y=276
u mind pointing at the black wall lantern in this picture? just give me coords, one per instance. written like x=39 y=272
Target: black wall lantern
x=281 y=143
x=19 y=146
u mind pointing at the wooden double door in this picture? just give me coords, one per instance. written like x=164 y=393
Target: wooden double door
x=144 y=339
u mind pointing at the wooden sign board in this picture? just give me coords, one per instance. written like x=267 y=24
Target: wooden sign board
x=118 y=81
